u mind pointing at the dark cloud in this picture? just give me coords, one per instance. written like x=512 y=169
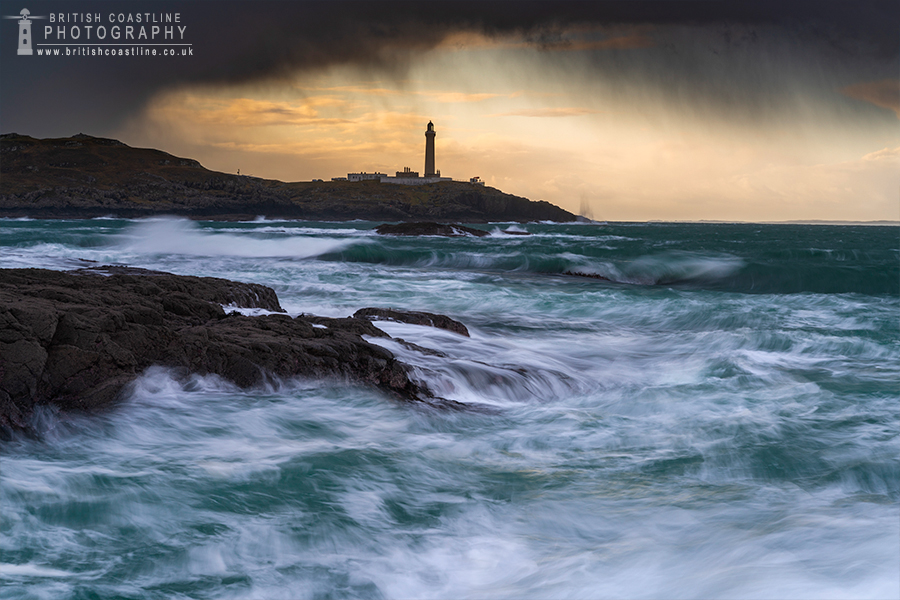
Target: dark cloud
x=241 y=42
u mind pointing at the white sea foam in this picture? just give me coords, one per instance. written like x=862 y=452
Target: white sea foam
x=10 y=571
x=250 y=312
x=642 y=442
x=180 y=236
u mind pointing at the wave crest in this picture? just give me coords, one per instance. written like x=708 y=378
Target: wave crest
x=180 y=236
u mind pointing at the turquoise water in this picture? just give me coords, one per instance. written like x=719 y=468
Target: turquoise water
x=717 y=418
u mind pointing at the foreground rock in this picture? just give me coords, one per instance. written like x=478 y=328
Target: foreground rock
x=75 y=339
x=429 y=228
x=413 y=318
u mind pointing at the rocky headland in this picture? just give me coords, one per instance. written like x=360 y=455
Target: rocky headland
x=83 y=177
x=76 y=339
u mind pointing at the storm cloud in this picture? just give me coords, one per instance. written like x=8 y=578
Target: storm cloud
x=729 y=52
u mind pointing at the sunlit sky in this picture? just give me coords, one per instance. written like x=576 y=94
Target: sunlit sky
x=622 y=122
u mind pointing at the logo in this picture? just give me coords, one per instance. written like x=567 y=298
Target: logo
x=99 y=34
x=25 y=31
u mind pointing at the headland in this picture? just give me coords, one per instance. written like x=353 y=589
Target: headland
x=85 y=177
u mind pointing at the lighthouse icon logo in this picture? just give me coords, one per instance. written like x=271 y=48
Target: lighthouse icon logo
x=25 y=33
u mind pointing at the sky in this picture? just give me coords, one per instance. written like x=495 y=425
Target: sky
x=625 y=110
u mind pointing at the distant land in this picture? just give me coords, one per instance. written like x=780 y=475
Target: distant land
x=84 y=176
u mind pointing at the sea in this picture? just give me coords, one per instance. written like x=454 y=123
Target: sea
x=714 y=413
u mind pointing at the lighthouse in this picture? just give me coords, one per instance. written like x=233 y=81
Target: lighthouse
x=429 y=150
x=25 y=33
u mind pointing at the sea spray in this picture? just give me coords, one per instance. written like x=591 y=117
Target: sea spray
x=181 y=237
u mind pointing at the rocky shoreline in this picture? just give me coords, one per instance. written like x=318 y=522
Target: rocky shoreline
x=76 y=339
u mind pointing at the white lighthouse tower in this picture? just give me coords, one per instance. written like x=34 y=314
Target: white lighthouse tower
x=25 y=33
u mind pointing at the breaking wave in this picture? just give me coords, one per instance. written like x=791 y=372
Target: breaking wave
x=180 y=236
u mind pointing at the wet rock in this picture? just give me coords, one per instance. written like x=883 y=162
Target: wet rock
x=590 y=275
x=413 y=318
x=421 y=349
x=427 y=228
x=351 y=324
x=208 y=289
x=75 y=339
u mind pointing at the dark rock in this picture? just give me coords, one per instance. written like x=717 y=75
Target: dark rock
x=421 y=349
x=413 y=318
x=428 y=228
x=75 y=339
x=351 y=324
x=591 y=275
